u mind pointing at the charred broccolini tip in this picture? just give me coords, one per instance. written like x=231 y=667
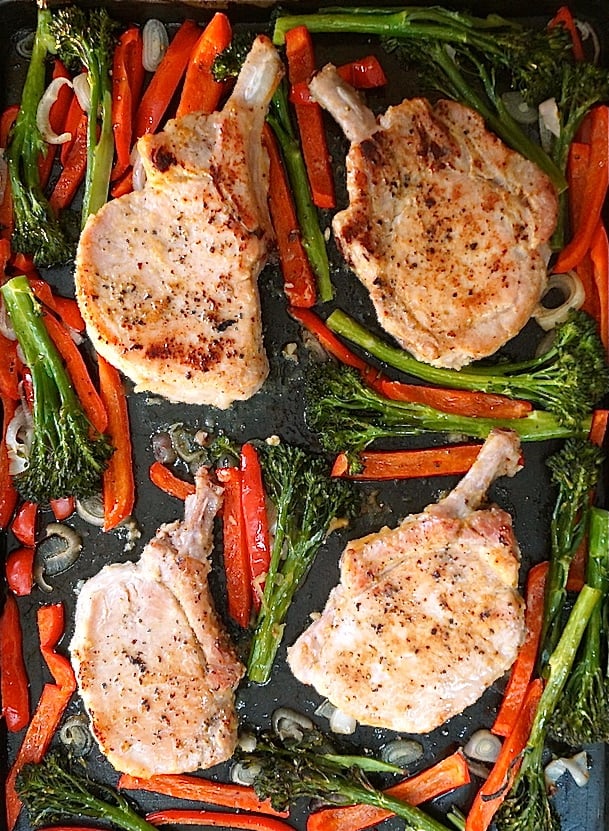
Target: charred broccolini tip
x=307 y=499
x=67 y=456
x=567 y=380
x=287 y=769
x=57 y=789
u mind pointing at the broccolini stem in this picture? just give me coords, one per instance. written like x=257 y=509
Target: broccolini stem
x=560 y=663
x=312 y=236
x=38 y=348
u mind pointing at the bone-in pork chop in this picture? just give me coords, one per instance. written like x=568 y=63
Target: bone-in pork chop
x=446 y=226
x=155 y=669
x=166 y=277
x=426 y=615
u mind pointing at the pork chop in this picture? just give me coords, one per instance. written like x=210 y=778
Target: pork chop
x=155 y=669
x=446 y=226
x=166 y=277
x=426 y=615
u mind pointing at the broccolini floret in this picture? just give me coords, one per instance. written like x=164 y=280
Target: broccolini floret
x=306 y=500
x=56 y=789
x=290 y=768
x=568 y=379
x=67 y=456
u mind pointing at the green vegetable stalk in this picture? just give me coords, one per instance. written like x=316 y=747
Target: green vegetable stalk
x=306 y=499
x=67 y=456
x=582 y=713
x=575 y=469
x=54 y=790
x=568 y=379
x=527 y=806
x=36 y=228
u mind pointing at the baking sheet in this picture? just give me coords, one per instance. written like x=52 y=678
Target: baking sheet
x=277 y=409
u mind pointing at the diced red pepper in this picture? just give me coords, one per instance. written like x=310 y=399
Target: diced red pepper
x=19 y=570
x=23 y=525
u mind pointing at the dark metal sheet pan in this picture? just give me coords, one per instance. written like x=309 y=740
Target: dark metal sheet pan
x=277 y=409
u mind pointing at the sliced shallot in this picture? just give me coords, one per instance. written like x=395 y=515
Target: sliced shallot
x=43 y=112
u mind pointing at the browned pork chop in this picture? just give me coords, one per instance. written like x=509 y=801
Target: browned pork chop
x=427 y=615
x=155 y=669
x=446 y=226
x=166 y=277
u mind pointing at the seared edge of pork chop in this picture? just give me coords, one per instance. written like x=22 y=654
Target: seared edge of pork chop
x=155 y=667
x=426 y=615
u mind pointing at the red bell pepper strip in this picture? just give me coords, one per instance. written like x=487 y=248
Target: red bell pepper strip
x=41 y=729
x=57 y=119
x=123 y=185
x=73 y=118
x=599 y=254
x=118 y=480
x=167 y=481
x=217 y=819
x=127 y=82
x=8 y=492
x=64 y=307
x=50 y=709
x=444 y=776
x=563 y=17
x=6 y=205
x=364 y=73
x=595 y=191
x=301 y=67
x=253 y=502
x=51 y=625
x=24 y=264
x=14 y=685
x=73 y=171
x=199 y=789
x=63 y=507
x=495 y=789
x=19 y=568
x=200 y=91
x=524 y=665
x=9 y=369
x=378 y=465
x=299 y=281
x=79 y=374
x=165 y=81
x=24 y=522
x=236 y=559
